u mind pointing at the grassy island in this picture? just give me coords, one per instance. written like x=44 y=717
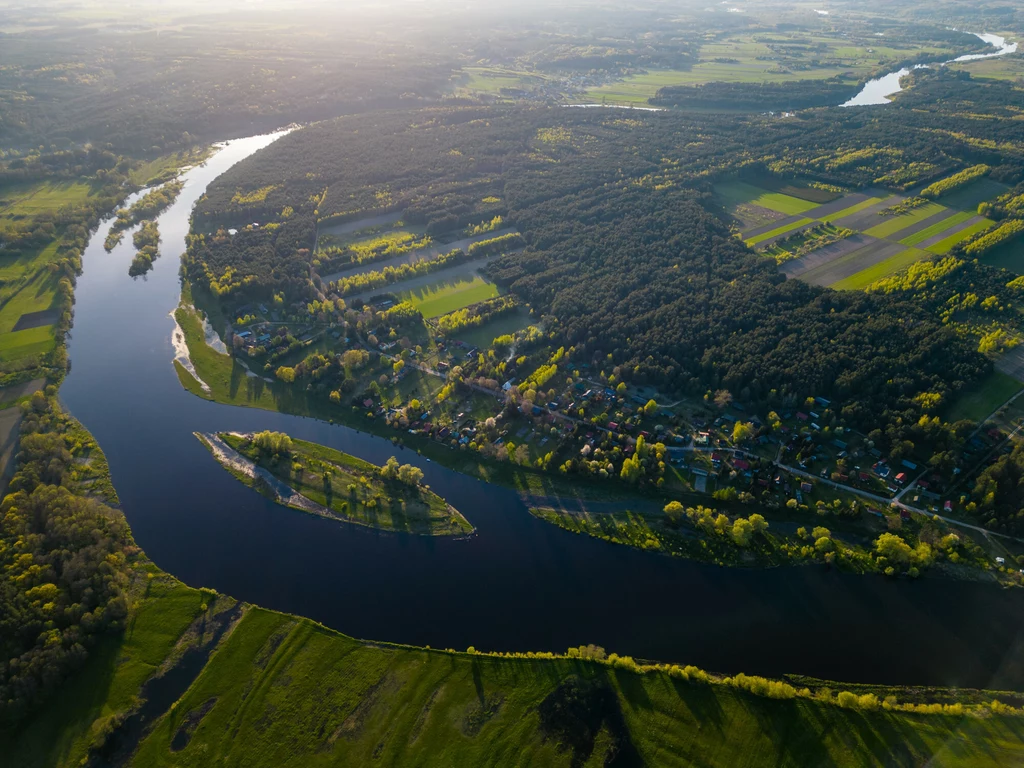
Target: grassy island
x=333 y=484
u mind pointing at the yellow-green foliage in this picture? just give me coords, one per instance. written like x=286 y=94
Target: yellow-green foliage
x=254 y=196
x=957 y=180
x=1001 y=234
x=861 y=157
x=918 y=276
x=556 y=135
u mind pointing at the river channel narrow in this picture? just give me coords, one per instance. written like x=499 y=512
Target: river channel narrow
x=520 y=584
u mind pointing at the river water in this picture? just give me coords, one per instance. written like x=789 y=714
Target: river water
x=520 y=584
x=879 y=90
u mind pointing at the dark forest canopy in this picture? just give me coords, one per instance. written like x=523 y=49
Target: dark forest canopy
x=627 y=247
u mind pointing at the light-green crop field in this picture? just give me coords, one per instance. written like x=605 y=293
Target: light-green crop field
x=862 y=205
x=891 y=225
x=736 y=193
x=778 y=231
x=876 y=272
x=442 y=297
x=937 y=228
x=945 y=246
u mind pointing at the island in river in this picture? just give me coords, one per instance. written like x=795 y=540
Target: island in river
x=336 y=485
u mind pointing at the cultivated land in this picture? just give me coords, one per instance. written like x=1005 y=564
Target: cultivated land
x=886 y=244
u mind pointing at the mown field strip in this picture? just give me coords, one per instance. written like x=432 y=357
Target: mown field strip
x=777 y=234
x=946 y=245
x=928 y=233
x=892 y=224
x=861 y=206
x=824 y=255
x=890 y=266
x=851 y=264
x=763 y=228
x=842 y=204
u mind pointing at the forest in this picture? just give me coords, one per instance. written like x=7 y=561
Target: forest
x=626 y=247
x=64 y=558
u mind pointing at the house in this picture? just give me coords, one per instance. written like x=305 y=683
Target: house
x=947 y=507
x=806 y=487
x=367 y=403
x=741 y=464
x=904 y=514
x=901 y=478
x=613 y=426
x=908 y=465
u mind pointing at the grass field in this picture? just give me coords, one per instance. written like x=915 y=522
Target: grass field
x=1009 y=255
x=492 y=80
x=736 y=193
x=483 y=335
x=446 y=296
x=166 y=167
x=946 y=245
x=24 y=200
x=778 y=231
x=983 y=399
x=891 y=225
x=283 y=691
x=968 y=198
x=937 y=228
x=862 y=205
x=890 y=266
x=37 y=295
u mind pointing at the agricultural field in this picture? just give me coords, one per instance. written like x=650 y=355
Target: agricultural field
x=884 y=234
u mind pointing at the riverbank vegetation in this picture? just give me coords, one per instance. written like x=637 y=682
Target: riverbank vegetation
x=389 y=498
x=899 y=548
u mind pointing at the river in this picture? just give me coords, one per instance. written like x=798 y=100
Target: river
x=879 y=90
x=520 y=584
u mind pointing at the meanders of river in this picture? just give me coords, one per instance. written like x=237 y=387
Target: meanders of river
x=519 y=584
